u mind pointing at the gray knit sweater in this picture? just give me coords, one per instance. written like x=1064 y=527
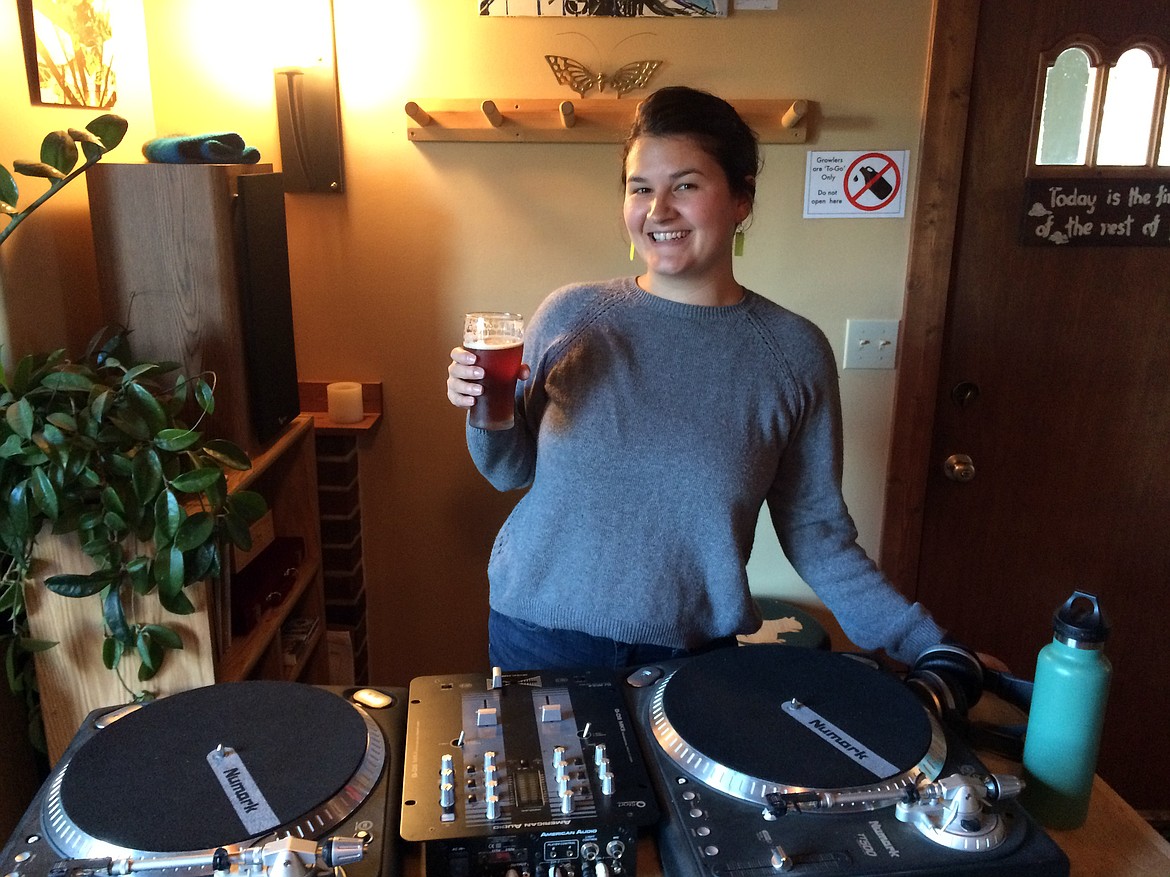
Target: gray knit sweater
x=649 y=435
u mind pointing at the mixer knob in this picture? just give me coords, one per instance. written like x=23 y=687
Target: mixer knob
x=560 y=770
x=562 y=785
x=489 y=760
x=497 y=680
x=447 y=763
x=567 y=802
x=493 y=806
x=447 y=795
x=607 y=783
x=599 y=756
x=485 y=717
x=550 y=712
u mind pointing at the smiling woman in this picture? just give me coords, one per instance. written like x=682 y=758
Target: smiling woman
x=656 y=418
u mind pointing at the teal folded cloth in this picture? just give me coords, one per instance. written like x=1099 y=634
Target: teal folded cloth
x=222 y=148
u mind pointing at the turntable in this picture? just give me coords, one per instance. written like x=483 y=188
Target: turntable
x=772 y=758
x=248 y=778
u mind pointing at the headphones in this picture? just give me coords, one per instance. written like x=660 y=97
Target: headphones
x=950 y=679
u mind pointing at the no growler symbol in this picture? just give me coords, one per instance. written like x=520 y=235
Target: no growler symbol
x=874 y=179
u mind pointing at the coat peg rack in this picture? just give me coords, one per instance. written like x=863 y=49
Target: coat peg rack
x=597 y=120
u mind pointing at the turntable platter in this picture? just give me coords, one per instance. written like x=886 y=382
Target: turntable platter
x=758 y=719
x=153 y=780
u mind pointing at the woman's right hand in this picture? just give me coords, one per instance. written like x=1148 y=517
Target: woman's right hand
x=463 y=377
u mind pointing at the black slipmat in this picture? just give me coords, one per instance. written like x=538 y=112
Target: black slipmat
x=742 y=688
x=177 y=803
x=142 y=782
x=718 y=740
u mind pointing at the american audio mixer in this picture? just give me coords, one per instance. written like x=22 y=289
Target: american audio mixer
x=524 y=774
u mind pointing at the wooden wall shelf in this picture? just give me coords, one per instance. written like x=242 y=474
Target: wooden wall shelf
x=596 y=120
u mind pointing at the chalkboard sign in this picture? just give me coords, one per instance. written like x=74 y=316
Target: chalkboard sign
x=1093 y=212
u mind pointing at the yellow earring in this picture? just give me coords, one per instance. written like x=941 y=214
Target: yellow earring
x=737 y=248
x=631 y=251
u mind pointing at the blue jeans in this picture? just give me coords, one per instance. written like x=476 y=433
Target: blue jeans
x=519 y=645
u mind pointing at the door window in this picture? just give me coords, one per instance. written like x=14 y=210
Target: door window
x=1102 y=108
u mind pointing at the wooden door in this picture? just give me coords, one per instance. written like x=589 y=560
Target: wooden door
x=1068 y=424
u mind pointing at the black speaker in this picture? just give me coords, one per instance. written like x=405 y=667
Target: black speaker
x=266 y=304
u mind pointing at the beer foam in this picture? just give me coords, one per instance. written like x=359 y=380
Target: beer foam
x=493 y=342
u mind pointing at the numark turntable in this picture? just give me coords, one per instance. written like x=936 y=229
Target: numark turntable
x=774 y=759
x=249 y=779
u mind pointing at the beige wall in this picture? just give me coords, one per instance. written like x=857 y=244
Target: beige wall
x=423 y=232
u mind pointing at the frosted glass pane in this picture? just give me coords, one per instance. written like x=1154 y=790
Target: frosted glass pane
x=1068 y=101
x=1127 y=123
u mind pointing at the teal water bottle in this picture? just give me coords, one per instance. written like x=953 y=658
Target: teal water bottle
x=1067 y=712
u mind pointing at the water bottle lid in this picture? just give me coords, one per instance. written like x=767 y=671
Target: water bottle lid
x=1081 y=620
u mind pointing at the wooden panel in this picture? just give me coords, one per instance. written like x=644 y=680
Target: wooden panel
x=71 y=676
x=167 y=270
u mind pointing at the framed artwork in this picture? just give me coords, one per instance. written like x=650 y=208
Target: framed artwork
x=69 y=52
x=606 y=8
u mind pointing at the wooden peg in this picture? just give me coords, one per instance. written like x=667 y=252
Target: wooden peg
x=568 y=114
x=794 y=113
x=417 y=113
x=493 y=114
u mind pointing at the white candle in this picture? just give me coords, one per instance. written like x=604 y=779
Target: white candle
x=345 y=401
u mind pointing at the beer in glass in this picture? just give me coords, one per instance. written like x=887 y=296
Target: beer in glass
x=497 y=340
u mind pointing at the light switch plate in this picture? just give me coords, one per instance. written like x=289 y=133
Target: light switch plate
x=871 y=343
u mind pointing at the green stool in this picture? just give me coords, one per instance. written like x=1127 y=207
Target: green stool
x=785 y=623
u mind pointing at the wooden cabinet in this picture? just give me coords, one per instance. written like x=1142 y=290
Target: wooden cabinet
x=286 y=476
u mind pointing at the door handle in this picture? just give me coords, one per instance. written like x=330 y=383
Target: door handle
x=959 y=467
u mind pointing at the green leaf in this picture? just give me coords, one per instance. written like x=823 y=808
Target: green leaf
x=148 y=475
x=227 y=454
x=109 y=128
x=176 y=603
x=63 y=421
x=18 y=510
x=164 y=636
x=20 y=419
x=205 y=396
x=138 y=571
x=38 y=169
x=73 y=585
x=167 y=515
x=135 y=372
x=168 y=569
x=111 y=652
x=44 y=493
x=67 y=380
x=202 y=563
x=197 y=480
x=248 y=504
x=12 y=447
x=9 y=193
x=151 y=654
x=237 y=531
x=59 y=150
x=115 y=615
x=175 y=440
x=194 y=531
x=36 y=645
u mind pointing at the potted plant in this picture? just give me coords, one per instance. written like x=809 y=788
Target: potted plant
x=100 y=452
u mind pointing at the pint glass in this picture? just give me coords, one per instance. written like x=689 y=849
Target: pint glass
x=497 y=340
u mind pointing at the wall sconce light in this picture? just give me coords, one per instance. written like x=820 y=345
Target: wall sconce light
x=308 y=121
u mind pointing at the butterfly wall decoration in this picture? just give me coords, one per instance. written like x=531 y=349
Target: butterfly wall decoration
x=582 y=80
